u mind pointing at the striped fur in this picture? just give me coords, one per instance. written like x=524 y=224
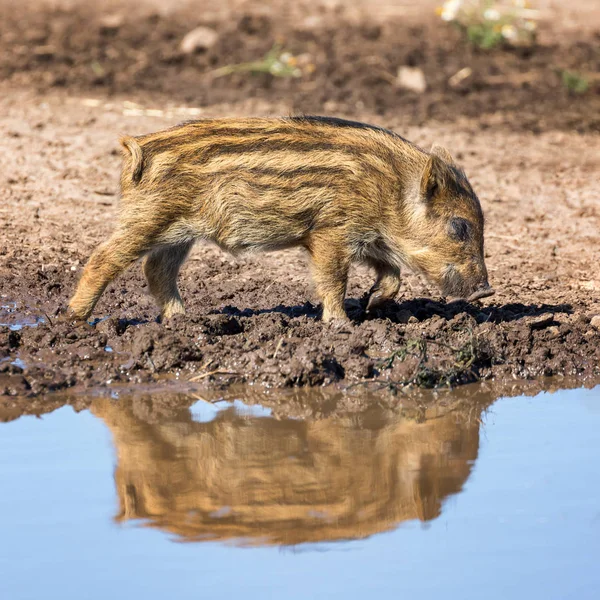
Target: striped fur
x=343 y=190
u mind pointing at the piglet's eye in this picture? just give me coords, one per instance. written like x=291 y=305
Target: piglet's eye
x=459 y=229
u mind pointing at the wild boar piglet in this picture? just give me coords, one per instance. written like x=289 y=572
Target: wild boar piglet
x=346 y=191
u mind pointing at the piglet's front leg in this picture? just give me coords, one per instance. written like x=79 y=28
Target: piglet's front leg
x=386 y=287
x=331 y=262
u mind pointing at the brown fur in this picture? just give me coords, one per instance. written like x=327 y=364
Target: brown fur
x=345 y=191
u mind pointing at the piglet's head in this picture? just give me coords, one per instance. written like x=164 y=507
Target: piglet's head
x=447 y=230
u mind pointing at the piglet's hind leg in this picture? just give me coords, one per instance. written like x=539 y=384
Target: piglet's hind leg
x=108 y=261
x=161 y=268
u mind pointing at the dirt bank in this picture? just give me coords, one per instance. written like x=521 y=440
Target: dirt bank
x=254 y=319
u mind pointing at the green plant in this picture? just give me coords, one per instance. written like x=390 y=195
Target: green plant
x=97 y=68
x=276 y=62
x=575 y=82
x=431 y=372
x=483 y=36
x=489 y=23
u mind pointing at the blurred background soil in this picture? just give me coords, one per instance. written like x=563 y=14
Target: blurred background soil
x=352 y=50
x=76 y=75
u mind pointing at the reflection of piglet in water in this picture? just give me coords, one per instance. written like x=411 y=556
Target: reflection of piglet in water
x=345 y=191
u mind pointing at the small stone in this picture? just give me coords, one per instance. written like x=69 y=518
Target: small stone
x=411 y=78
x=459 y=77
x=541 y=321
x=595 y=322
x=44 y=52
x=111 y=23
x=311 y=23
x=554 y=332
x=201 y=38
x=413 y=319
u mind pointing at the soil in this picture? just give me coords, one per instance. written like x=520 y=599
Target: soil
x=353 y=59
x=71 y=84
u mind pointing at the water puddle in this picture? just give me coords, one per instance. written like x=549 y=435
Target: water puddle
x=15 y=317
x=159 y=496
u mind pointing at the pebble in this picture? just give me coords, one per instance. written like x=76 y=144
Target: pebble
x=111 y=23
x=460 y=76
x=411 y=78
x=44 y=51
x=595 y=322
x=542 y=321
x=201 y=38
x=311 y=23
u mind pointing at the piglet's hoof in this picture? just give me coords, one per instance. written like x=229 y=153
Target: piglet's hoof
x=378 y=301
x=65 y=314
x=337 y=323
x=485 y=292
x=375 y=301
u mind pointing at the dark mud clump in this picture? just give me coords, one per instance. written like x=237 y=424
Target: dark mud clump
x=353 y=65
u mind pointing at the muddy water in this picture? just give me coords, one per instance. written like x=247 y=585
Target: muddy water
x=151 y=499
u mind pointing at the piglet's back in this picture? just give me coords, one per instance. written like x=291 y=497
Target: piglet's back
x=282 y=154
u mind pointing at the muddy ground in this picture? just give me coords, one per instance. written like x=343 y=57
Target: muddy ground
x=71 y=84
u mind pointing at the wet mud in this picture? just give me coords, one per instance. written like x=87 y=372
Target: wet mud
x=289 y=346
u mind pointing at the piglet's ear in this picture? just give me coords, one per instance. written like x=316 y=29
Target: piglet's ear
x=436 y=177
x=442 y=153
